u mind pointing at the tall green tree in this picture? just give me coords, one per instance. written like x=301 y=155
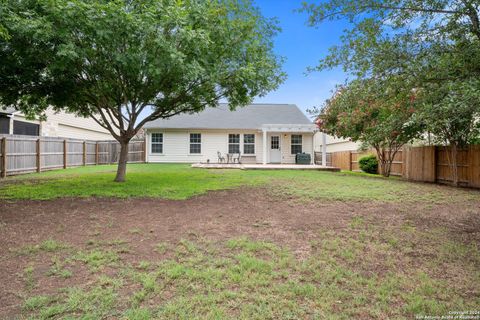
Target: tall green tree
x=381 y=119
x=452 y=115
x=124 y=63
x=434 y=46
x=397 y=30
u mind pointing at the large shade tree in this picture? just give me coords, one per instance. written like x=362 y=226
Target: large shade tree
x=124 y=63
x=433 y=45
x=386 y=36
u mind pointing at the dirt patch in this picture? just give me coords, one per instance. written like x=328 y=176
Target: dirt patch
x=142 y=224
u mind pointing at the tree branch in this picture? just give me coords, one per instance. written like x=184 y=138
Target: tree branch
x=379 y=6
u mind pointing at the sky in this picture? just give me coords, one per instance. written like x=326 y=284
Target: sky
x=302 y=47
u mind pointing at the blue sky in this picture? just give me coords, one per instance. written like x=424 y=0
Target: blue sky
x=302 y=46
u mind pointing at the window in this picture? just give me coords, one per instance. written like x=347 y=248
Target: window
x=274 y=142
x=25 y=128
x=296 y=146
x=249 y=143
x=233 y=143
x=4 y=125
x=195 y=143
x=157 y=142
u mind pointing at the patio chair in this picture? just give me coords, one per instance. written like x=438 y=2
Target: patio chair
x=237 y=158
x=221 y=159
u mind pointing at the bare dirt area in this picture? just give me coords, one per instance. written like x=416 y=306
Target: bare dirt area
x=141 y=224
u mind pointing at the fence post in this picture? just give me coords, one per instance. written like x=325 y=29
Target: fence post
x=350 y=166
x=84 y=153
x=96 y=153
x=65 y=154
x=39 y=163
x=145 y=150
x=4 y=157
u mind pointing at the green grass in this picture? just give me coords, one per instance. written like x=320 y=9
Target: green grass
x=366 y=270
x=179 y=181
x=349 y=274
x=97 y=258
x=49 y=245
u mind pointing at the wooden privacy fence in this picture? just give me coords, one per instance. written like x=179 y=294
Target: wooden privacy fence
x=426 y=163
x=318 y=158
x=25 y=154
x=430 y=164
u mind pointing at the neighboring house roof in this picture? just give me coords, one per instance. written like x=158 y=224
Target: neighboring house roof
x=7 y=110
x=249 y=117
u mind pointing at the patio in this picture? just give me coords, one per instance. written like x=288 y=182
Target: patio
x=264 y=166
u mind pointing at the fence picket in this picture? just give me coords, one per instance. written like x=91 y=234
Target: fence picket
x=424 y=163
x=25 y=154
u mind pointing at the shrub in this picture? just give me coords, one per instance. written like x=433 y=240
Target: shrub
x=368 y=164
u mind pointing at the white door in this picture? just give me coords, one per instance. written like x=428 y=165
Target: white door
x=275 y=153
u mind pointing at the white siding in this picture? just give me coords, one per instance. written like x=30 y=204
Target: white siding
x=335 y=144
x=176 y=146
x=287 y=156
x=67 y=125
x=80 y=133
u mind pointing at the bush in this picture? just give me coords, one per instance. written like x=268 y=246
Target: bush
x=368 y=164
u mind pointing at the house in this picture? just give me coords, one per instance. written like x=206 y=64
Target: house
x=58 y=124
x=261 y=133
x=335 y=144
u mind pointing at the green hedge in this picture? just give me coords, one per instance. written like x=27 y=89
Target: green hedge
x=368 y=164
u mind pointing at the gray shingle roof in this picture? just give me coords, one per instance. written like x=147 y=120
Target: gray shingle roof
x=249 y=117
x=7 y=110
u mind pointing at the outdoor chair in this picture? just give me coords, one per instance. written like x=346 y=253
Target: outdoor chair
x=237 y=158
x=221 y=158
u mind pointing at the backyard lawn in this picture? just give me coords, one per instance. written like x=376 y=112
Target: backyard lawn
x=175 y=242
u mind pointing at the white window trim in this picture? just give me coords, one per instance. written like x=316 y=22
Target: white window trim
x=255 y=146
x=295 y=144
x=254 y=154
x=201 y=144
x=150 y=144
x=240 y=148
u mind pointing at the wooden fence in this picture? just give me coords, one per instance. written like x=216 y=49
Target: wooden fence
x=318 y=158
x=426 y=163
x=25 y=154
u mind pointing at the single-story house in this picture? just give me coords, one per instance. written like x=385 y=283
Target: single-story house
x=58 y=124
x=261 y=133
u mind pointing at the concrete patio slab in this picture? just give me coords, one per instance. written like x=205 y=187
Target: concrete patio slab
x=264 y=166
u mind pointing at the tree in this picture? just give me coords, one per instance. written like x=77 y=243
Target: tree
x=411 y=28
x=124 y=63
x=451 y=113
x=366 y=111
x=433 y=45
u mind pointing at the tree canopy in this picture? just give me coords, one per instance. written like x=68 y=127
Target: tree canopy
x=365 y=112
x=124 y=63
x=429 y=47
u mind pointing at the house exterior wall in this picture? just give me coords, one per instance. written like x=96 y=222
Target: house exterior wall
x=176 y=146
x=67 y=125
x=335 y=144
x=287 y=156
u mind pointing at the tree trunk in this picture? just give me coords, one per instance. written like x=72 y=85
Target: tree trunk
x=382 y=161
x=386 y=160
x=122 y=162
x=387 y=168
